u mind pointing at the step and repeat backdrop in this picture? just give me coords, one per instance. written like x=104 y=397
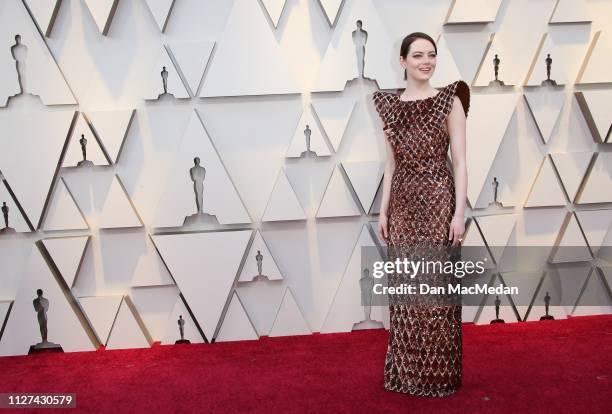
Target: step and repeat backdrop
x=206 y=171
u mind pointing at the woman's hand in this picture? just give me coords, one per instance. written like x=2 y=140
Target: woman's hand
x=383 y=228
x=457 y=228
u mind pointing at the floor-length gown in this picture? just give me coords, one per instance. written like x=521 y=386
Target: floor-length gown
x=424 y=352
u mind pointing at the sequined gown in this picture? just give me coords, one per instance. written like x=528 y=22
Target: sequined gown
x=424 y=352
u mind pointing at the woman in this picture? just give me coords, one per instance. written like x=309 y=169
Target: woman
x=423 y=205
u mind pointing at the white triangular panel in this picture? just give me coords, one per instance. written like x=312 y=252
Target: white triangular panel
x=595 y=105
x=564 y=284
x=150 y=270
x=334 y=115
x=269 y=269
x=42 y=76
x=22 y=329
x=261 y=301
x=154 y=304
x=67 y=253
x=289 y=319
x=331 y=9
x=172 y=329
x=283 y=203
x=546 y=105
x=63 y=213
x=31 y=149
x=16 y=220
x=467 y=49
x=339 y=64
x=204 y=266
x=516 y=41
x=102 y=12
x=126 y=332
x=595 y=299
x=449 y=72
x=598 y=186
x=298 y=142
x=546 y=190
x=560 y=43
x=175 y=85
x=192 y=58
x=496 y=231
x=101 y=312
x=365 y=178
x=484 y=135
x=598 y=61
x=474 y=11
x=347 y=309
x=44 y=12
x=160 y=9
x=236 y=325
x=274 y=8
x=571 y=11
x=220 y=197
x=571 y=167
x=14 y=255
x=74 y=154
x=338 y=199
x=595 y=225
x=117 y=210
x=111 y=127
x=573 y=246
x=267 y=72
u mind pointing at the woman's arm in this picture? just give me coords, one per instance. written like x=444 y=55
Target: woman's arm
x=456 y=124
x=386 y=195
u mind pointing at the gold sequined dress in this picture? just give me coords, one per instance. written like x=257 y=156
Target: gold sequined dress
x=424 y=352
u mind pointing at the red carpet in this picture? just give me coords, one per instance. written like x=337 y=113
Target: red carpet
x=552 y=366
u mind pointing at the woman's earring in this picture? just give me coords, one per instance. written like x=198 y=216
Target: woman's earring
x=405 y=74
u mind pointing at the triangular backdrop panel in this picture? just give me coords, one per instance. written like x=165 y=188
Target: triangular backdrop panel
x=44 y=13
x=63 y=213
x=126 y=332
x=269 y=269
x=31 y=153
x=102 y=12
x=67 y=254
x=289 y=319
x=101 y=312
x=173 y=333
x=192 y=58
x=74 y=152
x=111 y=128
x=267 y=72
x=63 y=326
x=204 y=266
x=160 y=9
x=236 y=325
x=164 y=68
x=220 y=197
x=41 y=75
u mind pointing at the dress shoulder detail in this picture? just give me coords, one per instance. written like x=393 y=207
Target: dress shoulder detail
x=461 y=89
x=383 y=103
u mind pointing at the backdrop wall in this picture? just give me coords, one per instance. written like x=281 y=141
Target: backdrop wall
x=116 y=245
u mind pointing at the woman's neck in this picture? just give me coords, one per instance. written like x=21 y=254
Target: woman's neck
x=418 y=88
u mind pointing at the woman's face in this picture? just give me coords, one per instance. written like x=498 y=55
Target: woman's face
x=420 y=61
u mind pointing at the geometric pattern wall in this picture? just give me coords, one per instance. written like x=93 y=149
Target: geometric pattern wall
x=106 y=105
